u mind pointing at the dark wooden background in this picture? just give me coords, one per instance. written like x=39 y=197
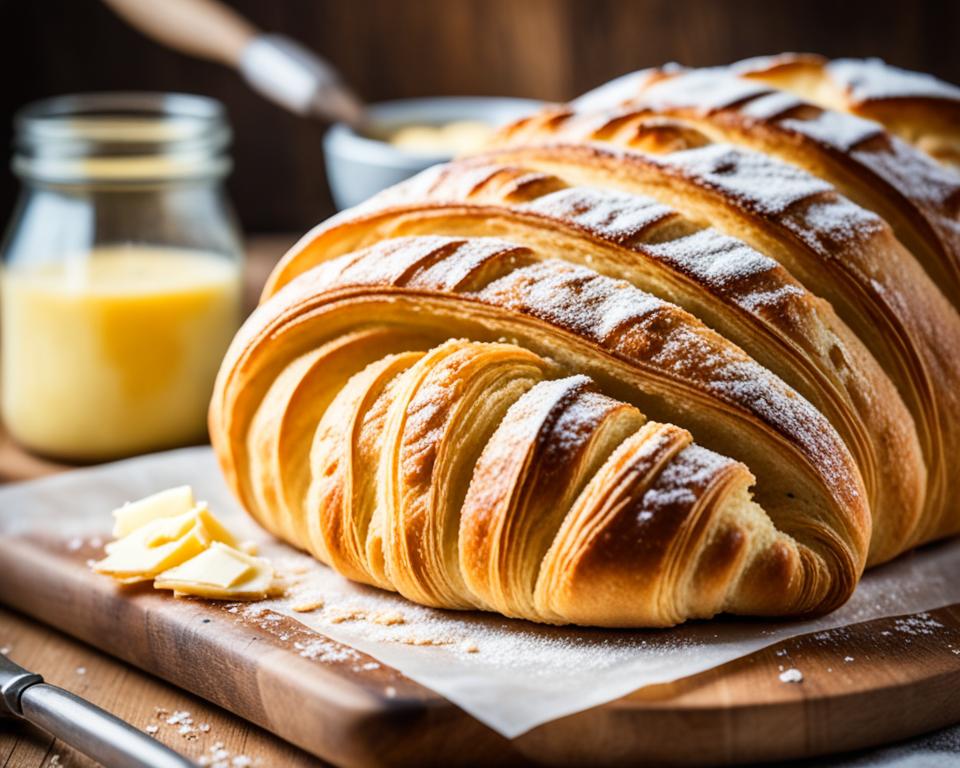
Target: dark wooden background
x=548 y=49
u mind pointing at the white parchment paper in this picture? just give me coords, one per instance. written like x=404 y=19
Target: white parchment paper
x=511 y=675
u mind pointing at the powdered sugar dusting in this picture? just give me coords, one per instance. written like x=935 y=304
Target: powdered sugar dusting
x=806 y=205
x=685 y=478
x=662 y=338
x=731 y=268
x=874 y=79
x=836 y=129
x=770 y=105
x=932 y=188
x=704 y=89
x=769 y=186
x=619 y=216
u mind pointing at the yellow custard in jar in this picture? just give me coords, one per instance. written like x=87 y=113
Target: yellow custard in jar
x=114 y=352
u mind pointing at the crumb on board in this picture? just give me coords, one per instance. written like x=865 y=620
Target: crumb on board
x=180 y=717
x=388 y=618
x=791 y=675
x=425 y=641
x=306 y=606
x=220 y=757
x=341 y=615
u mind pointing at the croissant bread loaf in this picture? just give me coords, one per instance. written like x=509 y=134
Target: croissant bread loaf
x=689 y=345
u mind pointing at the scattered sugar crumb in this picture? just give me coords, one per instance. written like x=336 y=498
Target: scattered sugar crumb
x=848 y=659
x=91 y=562
x=920 y=624
x=204 y=728
x=425 y=641
x=55 y=760
x=390 y=692
x=388 y=618
x=469 y=647
x=152 y=729
x=81 y=670
x=791 y=675
x=220 y=757
x=307 y=606
x=341 y=615
x=74 y=544
x=370 y=666
x=325 y=650
x=96 y=542
x=180 y=717
x=781 y=652
x=6 y=649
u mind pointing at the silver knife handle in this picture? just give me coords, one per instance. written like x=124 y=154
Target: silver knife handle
x=91 y=730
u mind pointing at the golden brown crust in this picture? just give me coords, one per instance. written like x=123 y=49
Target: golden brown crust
x=916 y=107
x=640 y=347
x=842 y=253
x=918 y=198
x=445 y=391
x=747 y=297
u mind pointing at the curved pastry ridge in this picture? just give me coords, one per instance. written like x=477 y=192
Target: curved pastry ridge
x=548 y=445
x=443 y=411
x=667 y=525
x=343 y=525
x=915 y=106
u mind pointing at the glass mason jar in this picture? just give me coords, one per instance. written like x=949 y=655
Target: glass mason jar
x=122 y=275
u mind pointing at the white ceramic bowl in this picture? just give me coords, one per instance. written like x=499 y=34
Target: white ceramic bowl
x=358 y=166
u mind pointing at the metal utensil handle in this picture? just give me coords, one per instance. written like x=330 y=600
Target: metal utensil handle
x=96 y=733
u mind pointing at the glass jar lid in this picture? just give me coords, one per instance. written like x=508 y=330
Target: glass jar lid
x=121 y=138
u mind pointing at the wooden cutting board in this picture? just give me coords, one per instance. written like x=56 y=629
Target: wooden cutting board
x=899 y=684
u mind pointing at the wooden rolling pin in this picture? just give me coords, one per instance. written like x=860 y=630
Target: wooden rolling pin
x=276 y=66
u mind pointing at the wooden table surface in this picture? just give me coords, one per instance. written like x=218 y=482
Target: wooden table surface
x=127 y=692
x=135 y=696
